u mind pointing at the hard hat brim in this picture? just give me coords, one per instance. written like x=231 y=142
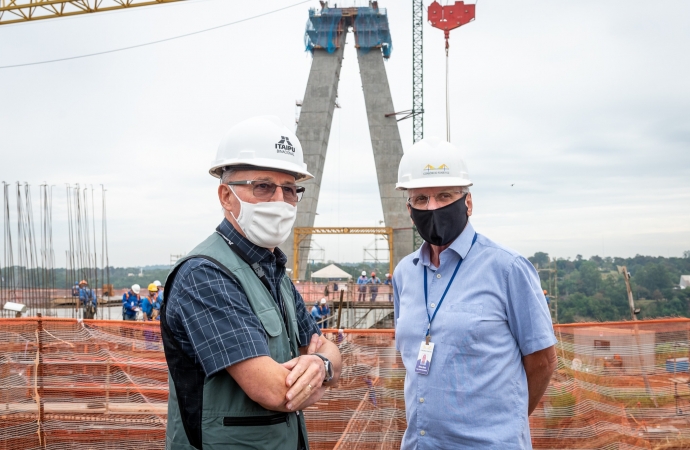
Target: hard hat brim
x=433 y=182
x=300 y=173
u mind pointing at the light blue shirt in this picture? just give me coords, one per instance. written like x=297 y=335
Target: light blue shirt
x=475 y=395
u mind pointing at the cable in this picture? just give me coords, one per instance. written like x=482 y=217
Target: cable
x=447 y=99
x=158 y=41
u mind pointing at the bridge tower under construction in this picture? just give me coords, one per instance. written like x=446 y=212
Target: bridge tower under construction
x=325 y=38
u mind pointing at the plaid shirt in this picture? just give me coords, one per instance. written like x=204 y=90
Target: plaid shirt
x=209 y=313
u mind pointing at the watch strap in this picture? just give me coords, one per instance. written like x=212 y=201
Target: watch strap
x=327 y=365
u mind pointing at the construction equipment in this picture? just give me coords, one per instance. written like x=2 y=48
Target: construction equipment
x=448 y=18
x=301 y=233
x=14 y=11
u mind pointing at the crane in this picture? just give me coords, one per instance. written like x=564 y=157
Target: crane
x=16 y=11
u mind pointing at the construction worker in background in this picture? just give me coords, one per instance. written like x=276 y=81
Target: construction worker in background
x=316 y=313
x=244 y=355
x=324 y=312
x=130 y=303
x=147 y=302
x=389 y=283
x=87 y=299
x=75 y=289
x=477 y=308
x=160 y=290
x=157 y=302
x=546 y=296
x=374 y=281
x=362 y=288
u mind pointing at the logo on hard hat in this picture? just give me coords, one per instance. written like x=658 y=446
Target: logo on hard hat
x=440 y=170
x=285 y=146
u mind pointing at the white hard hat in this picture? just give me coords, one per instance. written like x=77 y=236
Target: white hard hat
x=263 y=142
x=157 y=283
x=364 y=273
x=432 y=162
x=136 y=288
x=323 y=301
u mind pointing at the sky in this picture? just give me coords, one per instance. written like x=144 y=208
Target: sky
x=574 y=118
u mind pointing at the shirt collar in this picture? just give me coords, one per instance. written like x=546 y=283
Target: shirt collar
x=253 y=252
x=461 y=246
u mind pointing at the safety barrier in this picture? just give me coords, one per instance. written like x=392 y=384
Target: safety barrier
x=68 y=384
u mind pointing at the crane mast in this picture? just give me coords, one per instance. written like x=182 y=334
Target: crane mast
x=417 y=70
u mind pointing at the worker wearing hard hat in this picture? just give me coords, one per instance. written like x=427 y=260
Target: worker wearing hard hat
x=88 y=300
x=131 y=303
x=389 y=285
x=374 y=281
x=476 y=307
x=362 y=286
x=324 y=312
x=148 y=301
x=157 y=302
x=244 y=354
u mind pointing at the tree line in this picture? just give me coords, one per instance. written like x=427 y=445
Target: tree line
x=593 y=289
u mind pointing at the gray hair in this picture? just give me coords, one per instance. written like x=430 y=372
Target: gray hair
x=228 y=172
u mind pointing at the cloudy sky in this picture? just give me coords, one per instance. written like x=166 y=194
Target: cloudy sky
x=583 y=106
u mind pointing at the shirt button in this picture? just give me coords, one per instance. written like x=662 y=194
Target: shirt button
x=433 y=305
x=438 y=275
x=422 y=432
x=421 y=400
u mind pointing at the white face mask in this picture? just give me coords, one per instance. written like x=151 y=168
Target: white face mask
x=266 y=224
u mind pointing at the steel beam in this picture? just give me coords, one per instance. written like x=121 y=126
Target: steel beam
x=15 y=11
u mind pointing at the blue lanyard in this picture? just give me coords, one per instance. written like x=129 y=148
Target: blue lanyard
x=438 y=306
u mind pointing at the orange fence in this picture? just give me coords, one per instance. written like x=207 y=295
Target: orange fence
x=68 y=384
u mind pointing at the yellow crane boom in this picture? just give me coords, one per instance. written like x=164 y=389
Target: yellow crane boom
x=14 y=11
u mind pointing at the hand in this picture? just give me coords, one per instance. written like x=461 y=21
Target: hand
x=315 y=344
x=307 y=373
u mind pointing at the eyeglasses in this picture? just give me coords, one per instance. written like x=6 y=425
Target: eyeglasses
x=264 y=190
x=442 y=199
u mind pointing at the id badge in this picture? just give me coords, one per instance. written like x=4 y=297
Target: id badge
x=426 y=351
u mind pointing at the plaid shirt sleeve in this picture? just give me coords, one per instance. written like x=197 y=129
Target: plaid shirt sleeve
x=210 y=316
x=305 y=321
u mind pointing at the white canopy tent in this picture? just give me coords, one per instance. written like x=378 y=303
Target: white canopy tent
x=331 y=272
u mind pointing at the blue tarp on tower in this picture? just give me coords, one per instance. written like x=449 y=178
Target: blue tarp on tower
x=371 y=30
x=370 y=27
x=322 y=29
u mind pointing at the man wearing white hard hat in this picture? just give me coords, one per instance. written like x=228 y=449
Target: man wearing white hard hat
x=472 y=310
x=362 y=288
x=245 y=357
x=131 y=303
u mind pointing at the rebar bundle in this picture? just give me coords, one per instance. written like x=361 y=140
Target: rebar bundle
x=28 y=274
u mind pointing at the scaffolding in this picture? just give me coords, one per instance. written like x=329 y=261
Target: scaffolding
x=325 y=27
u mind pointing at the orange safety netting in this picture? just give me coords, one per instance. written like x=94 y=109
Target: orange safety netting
x=68 y=384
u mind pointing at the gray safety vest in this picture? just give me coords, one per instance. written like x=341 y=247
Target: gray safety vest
x=214 y=412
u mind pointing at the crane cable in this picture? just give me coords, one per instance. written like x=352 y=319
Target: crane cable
x=158 y=41
x=447 y=97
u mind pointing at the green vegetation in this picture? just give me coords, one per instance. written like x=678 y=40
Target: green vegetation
x=593 y=290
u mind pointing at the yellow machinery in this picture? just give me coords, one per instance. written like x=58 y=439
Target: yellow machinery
x=301 y=232
x=13 y=11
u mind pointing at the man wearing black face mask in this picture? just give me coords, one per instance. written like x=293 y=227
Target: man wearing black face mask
x=471 y=322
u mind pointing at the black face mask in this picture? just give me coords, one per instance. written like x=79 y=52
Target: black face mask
x=441 y=226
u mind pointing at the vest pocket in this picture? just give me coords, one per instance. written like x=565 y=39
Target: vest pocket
x=271 y=321
x=256 y=421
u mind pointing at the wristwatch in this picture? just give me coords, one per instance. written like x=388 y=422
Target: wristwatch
x=328 y=366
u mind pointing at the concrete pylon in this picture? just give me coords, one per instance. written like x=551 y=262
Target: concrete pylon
x=313 y=131
x=387 y=147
